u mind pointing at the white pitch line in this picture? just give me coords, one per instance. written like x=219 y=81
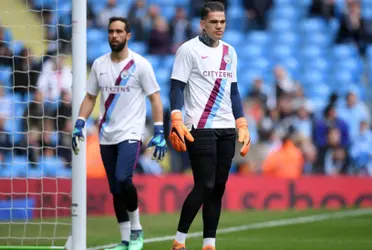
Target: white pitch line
x=266 y=224
x=312 y=240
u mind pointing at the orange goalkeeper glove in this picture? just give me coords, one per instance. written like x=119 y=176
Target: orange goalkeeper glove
x=178 y=132
x=243 y=134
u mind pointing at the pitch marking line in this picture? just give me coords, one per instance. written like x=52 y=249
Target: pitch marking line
x=266 y=224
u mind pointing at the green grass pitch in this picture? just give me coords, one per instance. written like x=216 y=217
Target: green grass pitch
x=341 y=233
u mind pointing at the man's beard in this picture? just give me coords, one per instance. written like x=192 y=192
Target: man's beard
x=118 y=47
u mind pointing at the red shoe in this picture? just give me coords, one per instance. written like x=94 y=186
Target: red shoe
x=178 y=246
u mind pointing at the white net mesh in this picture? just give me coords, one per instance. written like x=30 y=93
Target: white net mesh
x=35 y=122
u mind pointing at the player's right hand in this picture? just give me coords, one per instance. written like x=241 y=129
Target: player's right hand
x=179 y=132
x=78 y=135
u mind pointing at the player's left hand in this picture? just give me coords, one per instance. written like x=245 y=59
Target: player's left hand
x=243 y=135
x=158 y=141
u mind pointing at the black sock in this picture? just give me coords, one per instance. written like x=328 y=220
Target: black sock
x=120 y=208
x=191 y=207
x=130 y=193
x=212 y=211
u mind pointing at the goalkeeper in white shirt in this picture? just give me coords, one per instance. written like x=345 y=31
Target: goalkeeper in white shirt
x=204 y=79
x=124 y=79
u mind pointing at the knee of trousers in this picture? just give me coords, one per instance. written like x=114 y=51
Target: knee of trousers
x=126 y=183
x=206 y=189
x=219 y=189
x=118 y=196
x=114 y=189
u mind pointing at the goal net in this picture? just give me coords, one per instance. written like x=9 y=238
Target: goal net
x=35 y=123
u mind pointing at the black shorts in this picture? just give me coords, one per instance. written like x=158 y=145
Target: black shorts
x=211 y=153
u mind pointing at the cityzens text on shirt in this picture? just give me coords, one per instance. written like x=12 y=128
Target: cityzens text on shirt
x=218 y=74
x=115 y=89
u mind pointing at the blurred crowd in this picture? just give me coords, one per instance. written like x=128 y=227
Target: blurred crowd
x=290 y=139
x=290 y=135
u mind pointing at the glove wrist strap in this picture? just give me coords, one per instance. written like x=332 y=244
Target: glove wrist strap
x=175 y=110
x=241 y=122
x=176 y=115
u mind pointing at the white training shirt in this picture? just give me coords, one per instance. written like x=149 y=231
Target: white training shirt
x=208 y=73
x=124 y=87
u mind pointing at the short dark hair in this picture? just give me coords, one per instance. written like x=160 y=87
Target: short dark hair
x=328 y=109
x=121 y=19
x=213 y=6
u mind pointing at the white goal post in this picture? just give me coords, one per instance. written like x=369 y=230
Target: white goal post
x=79 y=72
x=41 y=206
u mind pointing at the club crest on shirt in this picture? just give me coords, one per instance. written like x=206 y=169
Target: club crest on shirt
x=227 y=59
x=124 y=74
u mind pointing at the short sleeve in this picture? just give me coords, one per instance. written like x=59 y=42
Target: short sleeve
x=92 y=83
x=148 y=79
x=234 y=67
x=182 y=66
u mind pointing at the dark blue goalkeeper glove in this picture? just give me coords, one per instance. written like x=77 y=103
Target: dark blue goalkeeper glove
x=78 y=135
x=158 y=141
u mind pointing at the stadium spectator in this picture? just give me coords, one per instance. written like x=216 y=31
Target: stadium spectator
x=153 y=13
x=361 y=150
x=31 y=147
x=258 y=91
x=64 y=111
x=285 y=162
x=332 y=157
x=309 y=153
x=6 y=104
x=137 y=14
x=52 y=81
x=330 y=120
x=354 y=112
x=33 y=124
x=49 y=134
x=353 y=28
x=25 y=73
x=34 y=114
x=159 y=40
x=323 y=8
x=300 y=100
x=336 y=161
x=303 y=123
x=286 y=109
x=180 y=28
x=6 y=142
x=49 y=21
x=111 y=9
x=283 y=82
x=5 y=53
x=271 y=122
x=64 y=143
x=256 y=12
x=57 y=35
x=253 y=108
